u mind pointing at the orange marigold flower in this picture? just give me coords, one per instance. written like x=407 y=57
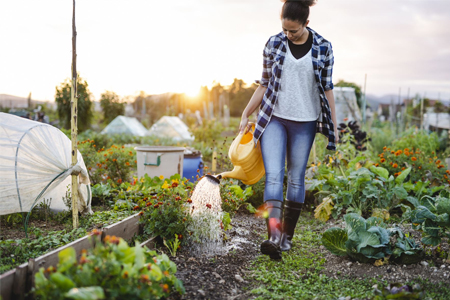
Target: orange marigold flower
x=141 y=213
x=384 y=148
x=125 y=274
x=398 y=152
x=392 y=152
x=136 y=207
x=394 y=165
x=406 y=153
x=440 y=166
x=413 y=158
x=174 y=184
x=448 y=171
x=382 y=160
x=119 y=181
x=438 y=162
x=127 y=163
x=406 y=150
x=445 y=176
x=403 y=168
x=420 y=167
x=114 y=159
x=377 y=164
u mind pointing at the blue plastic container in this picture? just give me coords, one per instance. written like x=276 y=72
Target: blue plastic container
x=191 y=163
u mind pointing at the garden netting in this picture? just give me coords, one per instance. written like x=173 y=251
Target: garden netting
x=35 y=165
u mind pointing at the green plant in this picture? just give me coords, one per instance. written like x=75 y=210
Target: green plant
x=165 y=213
x=172 y=246
x=368 y=240
x=233 y=197
x=406 y=251
x=399 y=291
x=431 y=215
x=114 y=163
x=426 y=166
x=112 y=270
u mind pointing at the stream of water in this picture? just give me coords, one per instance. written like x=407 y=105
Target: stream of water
x=206 y=212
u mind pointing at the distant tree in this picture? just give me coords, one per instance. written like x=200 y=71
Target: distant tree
x=239 y=95
x=342 y=83
x=62 y=99
x=111 y=106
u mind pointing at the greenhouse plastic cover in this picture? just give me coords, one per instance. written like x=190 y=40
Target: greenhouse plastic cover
x=171 y=127
x=34 y=156
x=125 y=125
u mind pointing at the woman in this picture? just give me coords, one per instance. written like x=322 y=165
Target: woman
x=296 y=100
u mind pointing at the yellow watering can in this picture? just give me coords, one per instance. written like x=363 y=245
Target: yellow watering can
x=246 y=159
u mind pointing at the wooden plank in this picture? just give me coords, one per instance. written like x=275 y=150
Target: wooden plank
x=125 y=229
x=52 y=259
x=6 y=284
x=22 y=282
x=150 y=243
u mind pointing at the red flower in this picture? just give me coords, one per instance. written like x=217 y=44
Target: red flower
x=119 y=181
x=208 y=206
x=189 y=201
x=174 y=184
x=136 y=207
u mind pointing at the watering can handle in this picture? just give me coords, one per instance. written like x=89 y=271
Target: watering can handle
x=240 y=135
x=247 y=129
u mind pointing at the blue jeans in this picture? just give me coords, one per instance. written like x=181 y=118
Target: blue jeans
x=284 y=139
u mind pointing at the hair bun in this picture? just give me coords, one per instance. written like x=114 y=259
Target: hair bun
x=304 y=2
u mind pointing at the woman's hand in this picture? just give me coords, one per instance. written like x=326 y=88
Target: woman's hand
x=244 y=124
x=336 y=136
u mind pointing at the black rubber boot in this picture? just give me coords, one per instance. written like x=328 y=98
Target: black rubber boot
x=290 y=217
x=271 y=246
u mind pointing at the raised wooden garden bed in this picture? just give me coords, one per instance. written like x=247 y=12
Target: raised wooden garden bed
x=16 y=283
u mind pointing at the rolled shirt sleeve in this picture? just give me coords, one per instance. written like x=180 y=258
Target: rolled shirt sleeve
x=327 y=71
x=267 y=67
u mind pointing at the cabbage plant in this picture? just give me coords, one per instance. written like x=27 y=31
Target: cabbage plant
x=368 y=240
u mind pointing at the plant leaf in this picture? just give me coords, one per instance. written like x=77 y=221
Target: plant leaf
x=323 y=210
x=63 y=283
x=334 y=240
x=400 y=178
x=430 y=240
x=67 y=258
x=443 y=205
x=86 y=293
x=367 y=238
x=354 y=223
x=380 y=171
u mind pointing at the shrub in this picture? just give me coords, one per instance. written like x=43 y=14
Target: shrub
x=165 y=211
x=115 y=163
x=112 y=270
x=424 y=166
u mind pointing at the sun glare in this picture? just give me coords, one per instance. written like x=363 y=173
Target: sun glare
x=192 y=92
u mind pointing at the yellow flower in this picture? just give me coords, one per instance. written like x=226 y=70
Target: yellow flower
x=129 y=189
x=161 y=177
x=165 y=185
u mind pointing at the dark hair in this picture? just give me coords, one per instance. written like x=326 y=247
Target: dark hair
x=296 y=10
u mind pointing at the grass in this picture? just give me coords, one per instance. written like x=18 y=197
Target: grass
x=299 y=275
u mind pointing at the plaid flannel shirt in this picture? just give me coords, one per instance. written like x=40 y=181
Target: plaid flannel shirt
x=322 y=60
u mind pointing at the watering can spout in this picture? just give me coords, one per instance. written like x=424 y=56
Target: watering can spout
x=236 y=173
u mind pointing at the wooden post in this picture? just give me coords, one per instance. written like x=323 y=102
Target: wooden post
x=74 y=125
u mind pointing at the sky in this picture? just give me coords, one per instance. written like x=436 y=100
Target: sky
x=159 y=46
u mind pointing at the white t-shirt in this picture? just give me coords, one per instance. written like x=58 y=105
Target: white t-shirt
x=298 y=98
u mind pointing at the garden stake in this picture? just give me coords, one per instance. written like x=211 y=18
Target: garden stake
x=73 y=102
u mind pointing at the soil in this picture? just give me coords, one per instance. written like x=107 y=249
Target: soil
x=16 y=231
x=224 y=276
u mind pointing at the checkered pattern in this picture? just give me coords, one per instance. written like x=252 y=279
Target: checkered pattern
x=322 y=59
